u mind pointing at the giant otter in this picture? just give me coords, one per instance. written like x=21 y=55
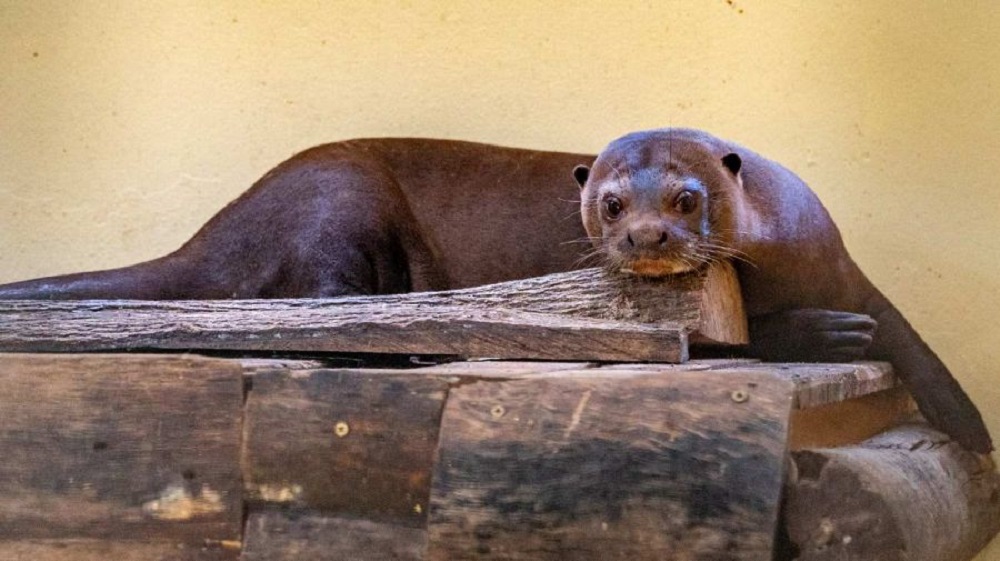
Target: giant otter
x=666 y=201
x=394 y=215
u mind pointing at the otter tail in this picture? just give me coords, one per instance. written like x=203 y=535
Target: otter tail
x=151 y=280
x=938 y=395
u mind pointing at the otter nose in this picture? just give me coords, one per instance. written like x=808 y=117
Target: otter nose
x=647 y=237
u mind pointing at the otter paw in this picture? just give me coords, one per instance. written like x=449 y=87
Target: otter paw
x=811 y=335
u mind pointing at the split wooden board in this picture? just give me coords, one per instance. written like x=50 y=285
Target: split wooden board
x=596 y=316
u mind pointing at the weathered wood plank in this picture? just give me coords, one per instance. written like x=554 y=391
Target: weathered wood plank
x=821 y=384
x=815 y=385
x=850 y=421
x=119 y=447
x=684 y=465
x=907 y=494
x=307 y=536
x=381 y=469
x=108 y=550
x=360 y=443
x=343 y=325
x=722 y=318
x=562 y=316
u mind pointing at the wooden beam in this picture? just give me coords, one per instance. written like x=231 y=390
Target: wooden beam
x=332 y=325
x=822 y=384
x=908 y=494
x=381 y=469
x=580 y=315
x=120 y=448
x=685 y=465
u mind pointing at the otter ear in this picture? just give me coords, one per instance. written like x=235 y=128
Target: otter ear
x=733 y=162
x=581 y=173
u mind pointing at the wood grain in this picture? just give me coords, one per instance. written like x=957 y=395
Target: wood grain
x=119 y=447
x=357 y=442
x=345 y=325
x=111 y=550
x=850 y=421
x=908 y=494
x=307 y=536
x=579 y=315
x=822 y=384
x=641 y=467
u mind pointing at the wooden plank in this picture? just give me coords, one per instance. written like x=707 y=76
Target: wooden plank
x=822 y=384
x=382 y=471
x=344 y=325
x=356 y=442
x=851 y=421
x=678 y=466
x=907 y=494
x=107 y=550
x=565 y=316
x=722 y=317
x=119 y=447
x=308 y=536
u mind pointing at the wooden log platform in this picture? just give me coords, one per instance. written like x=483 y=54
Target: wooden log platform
x=158 y=456
x=616 y=446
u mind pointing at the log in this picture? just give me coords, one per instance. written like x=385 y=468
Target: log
x=642 y=467
x=120 y=448
x=580 y=315
x=308 y=536
x=908 y=494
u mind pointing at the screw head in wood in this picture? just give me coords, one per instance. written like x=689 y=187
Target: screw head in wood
x=497 y=411
x=739 y=396
x=341 y=429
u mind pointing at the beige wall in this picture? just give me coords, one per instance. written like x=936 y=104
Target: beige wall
x=124 y=126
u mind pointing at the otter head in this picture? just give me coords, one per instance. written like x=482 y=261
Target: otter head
x=657 y=204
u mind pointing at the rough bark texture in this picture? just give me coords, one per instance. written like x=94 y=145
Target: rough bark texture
x=588 y=314
x=339 y=326
x=908 y=494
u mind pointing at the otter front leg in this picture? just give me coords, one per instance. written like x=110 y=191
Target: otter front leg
x=811 y=335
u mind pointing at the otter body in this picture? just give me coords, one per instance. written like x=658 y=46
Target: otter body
x=395 y=215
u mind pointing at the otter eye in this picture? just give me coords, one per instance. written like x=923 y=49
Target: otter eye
x=686 y=202
x=613 y=206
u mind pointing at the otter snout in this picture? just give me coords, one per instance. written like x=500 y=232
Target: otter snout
x=647 y=238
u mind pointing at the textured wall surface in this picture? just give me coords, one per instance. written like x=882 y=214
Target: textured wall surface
x=125 y=125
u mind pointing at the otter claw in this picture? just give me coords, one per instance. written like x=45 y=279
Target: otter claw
x=811 y=335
